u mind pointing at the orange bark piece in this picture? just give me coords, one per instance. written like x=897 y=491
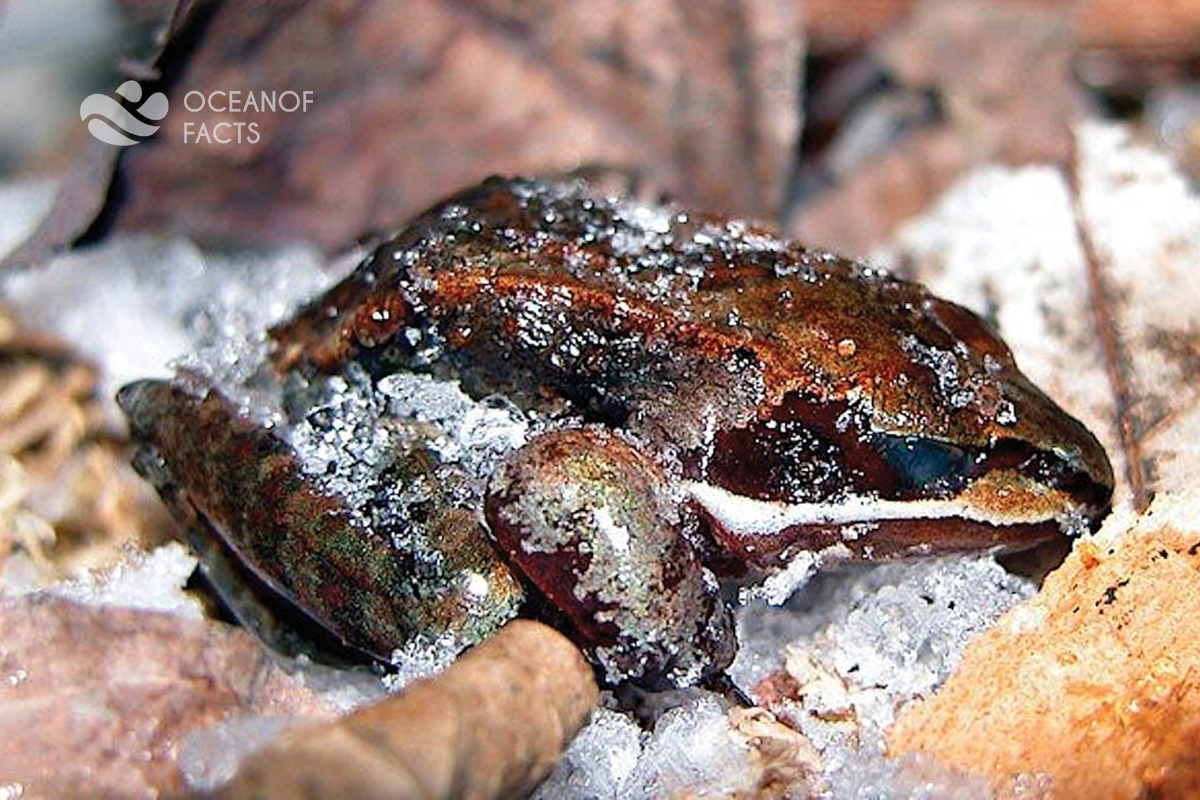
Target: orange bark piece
x=1093 y=682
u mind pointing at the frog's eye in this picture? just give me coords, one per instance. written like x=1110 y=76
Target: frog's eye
x=921 y=463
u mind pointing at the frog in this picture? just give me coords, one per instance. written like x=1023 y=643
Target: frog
x=717 y=403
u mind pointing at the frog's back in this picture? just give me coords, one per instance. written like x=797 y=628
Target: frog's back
x=576 y=290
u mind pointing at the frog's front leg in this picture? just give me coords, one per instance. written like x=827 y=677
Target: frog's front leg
x=595 y=525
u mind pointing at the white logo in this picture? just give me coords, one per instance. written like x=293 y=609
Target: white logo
x=105 y=115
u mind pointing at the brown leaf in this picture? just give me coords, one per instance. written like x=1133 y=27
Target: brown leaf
x=491 y=726
x=982 y=58
x=1094 y=681
x=1166 y=30
x=1139 y=223
x=412 y=101
x=785 y=759
x=979 y=59
x=62 y=467
x=1162 y=31
x=82 y=195
x=96 y=700
x=87 y=183
x=868 y=206
x=1090 y=276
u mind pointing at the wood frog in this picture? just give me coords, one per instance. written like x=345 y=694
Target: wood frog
x=719 y=401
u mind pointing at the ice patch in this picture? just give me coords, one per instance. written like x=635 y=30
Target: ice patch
x=862 y=641
x=152 y=581
x=136 y=304
x=599 y=762
x=22 y=206
x=692 y=752
x=422 y=657
x=209 y=757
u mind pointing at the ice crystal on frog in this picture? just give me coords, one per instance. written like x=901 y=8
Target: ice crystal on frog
x=776 y=588
x=478 y=433
x=338 y=430
x=946 y=368
x=422 y=657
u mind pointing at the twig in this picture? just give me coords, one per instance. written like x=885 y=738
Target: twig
x=1121 y=390
x=490 y=726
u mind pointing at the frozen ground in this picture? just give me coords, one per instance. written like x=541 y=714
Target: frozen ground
x=858 y=641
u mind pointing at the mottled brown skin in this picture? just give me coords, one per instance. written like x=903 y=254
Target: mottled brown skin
x=730 y=364
x=221 y=470
x=735 y=325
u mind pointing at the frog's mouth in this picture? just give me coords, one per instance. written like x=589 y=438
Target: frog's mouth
x=767 y=534
x=752 y=516
x=812 y=476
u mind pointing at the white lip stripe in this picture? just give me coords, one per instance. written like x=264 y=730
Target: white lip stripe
x=748 y=515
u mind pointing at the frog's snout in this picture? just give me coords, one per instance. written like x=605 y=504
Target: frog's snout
x=1057 y=453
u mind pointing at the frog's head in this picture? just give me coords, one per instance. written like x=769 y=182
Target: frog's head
x=897 y=422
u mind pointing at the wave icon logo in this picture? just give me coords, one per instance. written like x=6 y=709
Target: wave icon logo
x=106 y=118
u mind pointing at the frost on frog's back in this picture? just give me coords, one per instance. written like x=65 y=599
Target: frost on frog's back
x=747 y=363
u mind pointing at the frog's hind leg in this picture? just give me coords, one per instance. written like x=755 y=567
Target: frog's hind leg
x=374 y=583
x=282 y=626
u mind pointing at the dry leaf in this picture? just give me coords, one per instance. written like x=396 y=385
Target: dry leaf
x=85 y=188
x=97 y=700
x=1090 y=276
x=1094 y=682
x=80 y=199
x=412 y=101
x=1149 y=31
x=982 y=58
x=1159 y=31
x=1140 y=223
x=784 y=758
x=1091 y=280
x=900 y=183
x=979 y=59
x=491 y=726
x=69 y=500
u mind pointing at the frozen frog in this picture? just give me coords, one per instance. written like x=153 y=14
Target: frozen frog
x=707 y=403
